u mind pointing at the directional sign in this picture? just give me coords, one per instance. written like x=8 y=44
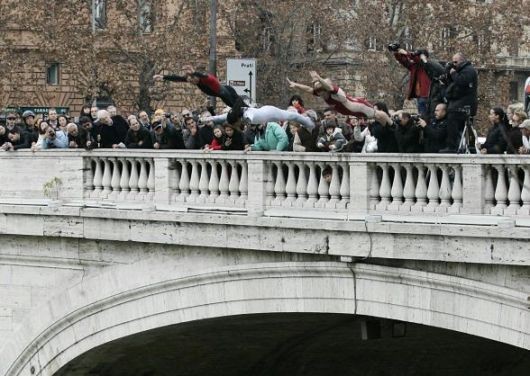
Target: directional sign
x=241 y=75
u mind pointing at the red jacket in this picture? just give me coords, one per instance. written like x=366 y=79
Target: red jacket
x=215 y=145
x=419 y=82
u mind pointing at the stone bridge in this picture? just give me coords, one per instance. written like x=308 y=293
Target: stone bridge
x=106 y=254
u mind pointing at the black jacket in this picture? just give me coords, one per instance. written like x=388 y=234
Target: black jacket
x=205 y=136
x=82 y=139
x=108 y=135
x=236 y=142
x=408 y=138
x=435 y=71
x=139 y=140
x=462 y=89
x=121 y=126
x=169 y=139
x=434 y=136
x=386 y=138
x=497 y=139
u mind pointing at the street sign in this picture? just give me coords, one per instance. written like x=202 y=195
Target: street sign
x=241 y=75
x=44 y=110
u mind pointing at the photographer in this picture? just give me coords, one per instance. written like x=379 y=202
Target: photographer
x=419 y=82
x=435 y=132
x=461 y=93
x=436 y=72
x=407 y=133
x=50 y=138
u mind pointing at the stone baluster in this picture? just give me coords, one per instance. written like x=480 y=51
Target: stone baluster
x=88 y=177
x=290 y=187
x=312 y=186
x=344 y=186
x=184 y=182
x=269 y=185
x=279 y=186
x=98 y=179
x=204 y=182
x=107 y=178
x=142 y=179
x=323 y=189
x=421 y=190
x=334 y=187
x=174 y=180
x=501 y=191
x=150 y=179
x=243 y=185
x=384 y=189
x=223 y=183
x=489 y=191
x=133 y=180
x=124 y=180
x=445 y=190
x=525 y=193
x=374 y=187
x=397 y=189
x=301 y=185
x=115 y=180
x=213 y=184
x=408 y=190
x=194 y=182
x=457 y=193
x=233 y=186
x=514 y=191
x=433 y=190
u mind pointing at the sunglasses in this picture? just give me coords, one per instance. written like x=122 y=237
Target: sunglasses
x=11 y=118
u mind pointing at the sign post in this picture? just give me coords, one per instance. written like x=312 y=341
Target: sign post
x=241 y=75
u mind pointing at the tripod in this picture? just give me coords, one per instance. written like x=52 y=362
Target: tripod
x=468 y=140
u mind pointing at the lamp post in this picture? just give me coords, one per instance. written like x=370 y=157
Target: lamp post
x=212 y=66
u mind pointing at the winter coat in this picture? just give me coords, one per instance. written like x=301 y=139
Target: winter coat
x=434 y=136
x=462 y=89
x=336 y=139
x=138 y=140
x=169 y=139
x=435 y=71
x=274 y=138
x=386 y=137
x=408 y=138
x=59 y=142
x=236 y=142
x=303 y=141
x=419 y=81
x=497 y=139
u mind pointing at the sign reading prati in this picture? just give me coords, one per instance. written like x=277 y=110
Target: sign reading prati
x=241 y=75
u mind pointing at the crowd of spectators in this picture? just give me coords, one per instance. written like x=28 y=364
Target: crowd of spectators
x=445 y=93
x=105 y=128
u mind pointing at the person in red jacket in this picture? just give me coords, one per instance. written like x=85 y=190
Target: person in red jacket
x=218 y=139
x=207 y=82
x=419 y=81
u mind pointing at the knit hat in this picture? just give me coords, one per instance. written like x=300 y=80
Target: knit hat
x=28 y=113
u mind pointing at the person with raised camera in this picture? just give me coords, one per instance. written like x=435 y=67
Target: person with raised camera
x=461 y=98
x=407 y=133
x=419 y=82
x=435 y=132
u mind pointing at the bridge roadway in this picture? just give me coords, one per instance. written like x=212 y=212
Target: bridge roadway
x=118 y=247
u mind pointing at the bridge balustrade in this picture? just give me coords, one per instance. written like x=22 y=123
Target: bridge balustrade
x=258 y=182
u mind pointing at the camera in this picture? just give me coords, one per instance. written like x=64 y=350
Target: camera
x=415 y=118
x=394 y=47
x=420 y=52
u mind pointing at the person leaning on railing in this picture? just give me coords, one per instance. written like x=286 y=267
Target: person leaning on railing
x=525 y=130
x=498 y=140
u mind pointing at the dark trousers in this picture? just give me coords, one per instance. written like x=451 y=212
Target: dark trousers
x=228 y=95
x=456 y=121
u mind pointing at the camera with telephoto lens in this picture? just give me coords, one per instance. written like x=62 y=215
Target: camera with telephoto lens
x=394 y=47
x=419 y=52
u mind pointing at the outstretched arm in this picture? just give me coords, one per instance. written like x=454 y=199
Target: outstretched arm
x=325 y=84
x=169 y=77
x=295 y=85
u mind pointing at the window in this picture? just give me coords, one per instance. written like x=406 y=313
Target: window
x=313 y=37
x=145 y=18
x=371 y=44
x=99 y=14
x=266 y=39
x=52 y=74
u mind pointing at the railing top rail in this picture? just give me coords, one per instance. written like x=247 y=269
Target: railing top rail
x=276 y=156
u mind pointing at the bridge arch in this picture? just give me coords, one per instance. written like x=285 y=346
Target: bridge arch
x=130 y=299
